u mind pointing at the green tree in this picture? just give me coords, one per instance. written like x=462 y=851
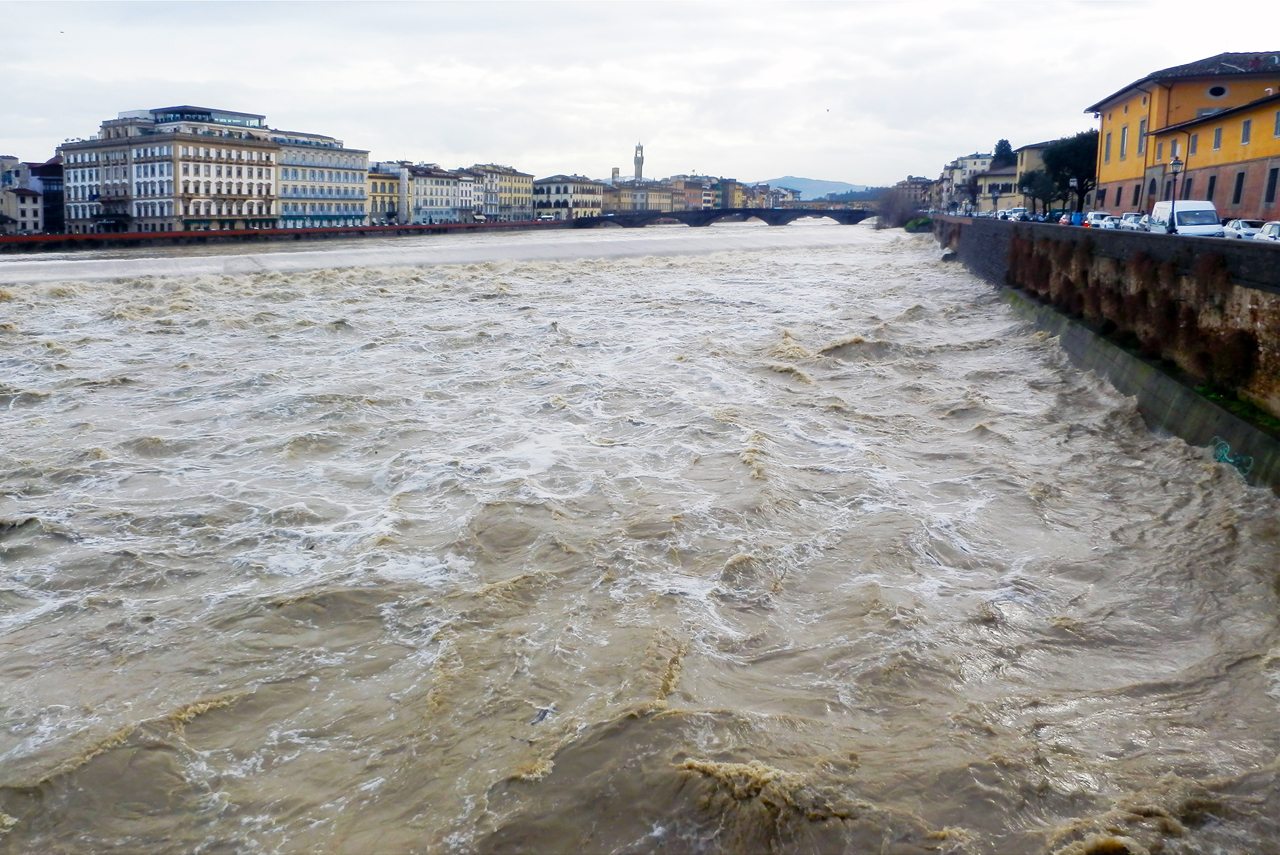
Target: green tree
x=1040 y=187
x=1003 y=155
x=1074 y=159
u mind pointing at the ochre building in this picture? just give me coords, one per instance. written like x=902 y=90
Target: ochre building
x=1196 y=112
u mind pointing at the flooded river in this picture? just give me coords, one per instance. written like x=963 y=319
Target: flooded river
x=726 y=540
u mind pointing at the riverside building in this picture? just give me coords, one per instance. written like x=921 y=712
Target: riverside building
x=383 y=189
x=508 y=193
x=322 y=183
x=567 y=197
x=171 y=169
x=1219 y=116
x=434 y=196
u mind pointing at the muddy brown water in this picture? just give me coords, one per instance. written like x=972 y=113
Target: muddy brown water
x=732 y=540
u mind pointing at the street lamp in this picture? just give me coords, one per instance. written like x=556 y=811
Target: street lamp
x=995 y=200
x=1175 y=166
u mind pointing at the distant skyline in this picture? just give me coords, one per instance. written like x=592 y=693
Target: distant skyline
x=862 y=92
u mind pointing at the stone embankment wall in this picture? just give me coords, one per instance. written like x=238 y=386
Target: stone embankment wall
x=1210 y=306
x=1157 y=314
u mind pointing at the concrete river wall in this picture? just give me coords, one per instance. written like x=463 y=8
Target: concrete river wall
x=1180 y=323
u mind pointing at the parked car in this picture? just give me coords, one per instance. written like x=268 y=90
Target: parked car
x=1095 y=219
x=1065 y=220
x=1195 y=217
x=1110 y=223
x=1132 y=222
x=1241 y=229
x=1269 y=231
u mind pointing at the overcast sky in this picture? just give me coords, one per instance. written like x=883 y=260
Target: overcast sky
x=864 y=92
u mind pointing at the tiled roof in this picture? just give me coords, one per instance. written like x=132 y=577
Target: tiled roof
x=1213 y=66
x=1223 y=63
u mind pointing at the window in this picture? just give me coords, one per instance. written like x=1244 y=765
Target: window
x=1217 y=139
x=1106 y=151
x=1124 y=140
x=1186 y=187
x=1168 y=190
x=1246 y=131
x=1276 y=131
x=1152 y=189
x=1102 y=198
x=1239 y=189
x=1272 y=176
x=1137 y=194
x=1192 y=143
x=1142 y=132
x=1159 y=151
x=1213 y=185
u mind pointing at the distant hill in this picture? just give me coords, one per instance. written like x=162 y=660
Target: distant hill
x=812 y=188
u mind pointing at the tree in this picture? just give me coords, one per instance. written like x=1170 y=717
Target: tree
x=895 y=209
x=1074 y=159
x=1040 y=187
x=1003 y=155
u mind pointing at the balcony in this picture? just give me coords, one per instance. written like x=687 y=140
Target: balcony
x=289 y=195
x=234 y=196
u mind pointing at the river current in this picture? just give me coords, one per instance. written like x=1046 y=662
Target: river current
x=725 y=540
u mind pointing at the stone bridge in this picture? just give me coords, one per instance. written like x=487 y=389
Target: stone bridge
x=772 y=216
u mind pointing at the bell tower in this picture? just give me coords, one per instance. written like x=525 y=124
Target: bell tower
x=639 y=161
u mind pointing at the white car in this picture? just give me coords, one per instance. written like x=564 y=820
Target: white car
x=1132 y=222
x=1110 y=223
x=1241 y=229
x=1095 y=219
x=1269 y=231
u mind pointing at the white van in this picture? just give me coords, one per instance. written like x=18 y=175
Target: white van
x=1195 y=217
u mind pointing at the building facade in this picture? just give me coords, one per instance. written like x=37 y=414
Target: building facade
x=508 y=193
x=322 y=182
x=567 y=197
x=1230 y=158
x=433 y=195
x=42 y=178
x=997 y=189
x=382 y=186
x=957 y=184
x=21 y=211
x=172 y=169
x=1141 y=125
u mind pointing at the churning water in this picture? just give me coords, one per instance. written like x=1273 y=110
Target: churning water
x=729 y=540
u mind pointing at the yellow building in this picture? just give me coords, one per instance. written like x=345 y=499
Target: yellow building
x=1130 y=177
x=998 y=189
x=1231 y=158
x=508 y=192
x=729 y=193
x=384 y=198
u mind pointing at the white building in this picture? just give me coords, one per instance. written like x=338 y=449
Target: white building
x=434 y=195
x=957 y=176
x=567 y=197
x=171 y=169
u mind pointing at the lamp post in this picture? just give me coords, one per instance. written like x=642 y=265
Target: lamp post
x=1175 y=166
x=995 y=200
